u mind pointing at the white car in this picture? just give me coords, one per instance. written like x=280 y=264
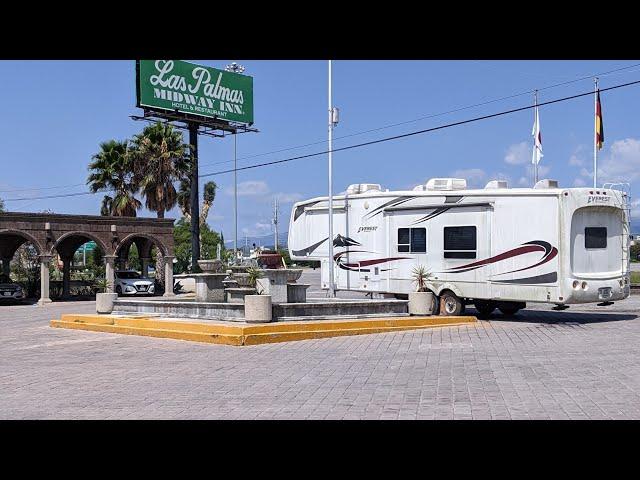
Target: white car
x=130 y=282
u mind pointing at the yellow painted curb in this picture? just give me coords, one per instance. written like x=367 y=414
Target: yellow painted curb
x=244 y=334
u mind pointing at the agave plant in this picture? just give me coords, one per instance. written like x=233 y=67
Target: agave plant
x=101 y=285
x=254 y=275
x=421 y=276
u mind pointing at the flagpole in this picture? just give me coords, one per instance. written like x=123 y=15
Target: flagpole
x=595 y=133
x=537 y=126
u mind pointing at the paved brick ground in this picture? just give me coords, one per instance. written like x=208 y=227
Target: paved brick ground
x=544 y=365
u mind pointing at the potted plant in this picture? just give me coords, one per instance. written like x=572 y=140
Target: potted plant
x=104 y=300
x=421 y=301
x=257 y=308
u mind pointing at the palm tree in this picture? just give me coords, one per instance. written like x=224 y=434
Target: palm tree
x=112 y=169
x=184 y=200
x=161 y=159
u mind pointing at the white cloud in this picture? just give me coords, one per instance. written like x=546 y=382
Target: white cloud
x=623 y=162
x=635 y=209
x=524 y=181
x=258 y=229
x=579 y=182
x=577 y=157
x=474 y=176
x=250 y=187
x=518 y=154
x=288 y=197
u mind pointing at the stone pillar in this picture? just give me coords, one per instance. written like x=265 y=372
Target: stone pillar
x=45 y=260
x=6 y=267
x=109 y=262
x=144 y=266
x=66 y=277
x=168 y=276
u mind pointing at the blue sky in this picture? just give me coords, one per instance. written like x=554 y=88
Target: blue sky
x=55 y=113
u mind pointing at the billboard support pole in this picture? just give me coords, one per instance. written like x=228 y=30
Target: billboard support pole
x=195 y=206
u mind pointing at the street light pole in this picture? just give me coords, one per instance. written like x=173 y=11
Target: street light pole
x=235 y=194
x=235 y=68
x=332 y=291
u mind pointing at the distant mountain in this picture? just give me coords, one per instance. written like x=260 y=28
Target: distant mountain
x=261 y=241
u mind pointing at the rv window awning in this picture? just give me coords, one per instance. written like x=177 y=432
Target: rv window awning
x=324 y=208
x=440 y=205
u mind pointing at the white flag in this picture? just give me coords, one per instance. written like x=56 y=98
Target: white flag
x=537 y=144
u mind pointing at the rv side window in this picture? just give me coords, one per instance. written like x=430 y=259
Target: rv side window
x=595 y=237
x=412 y=240
x=460 y=242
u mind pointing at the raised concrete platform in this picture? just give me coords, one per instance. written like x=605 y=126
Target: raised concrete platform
x=212 y=311
x=249 y=334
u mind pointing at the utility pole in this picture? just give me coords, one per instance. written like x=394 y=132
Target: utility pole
x=275 y=223
x=195 y=205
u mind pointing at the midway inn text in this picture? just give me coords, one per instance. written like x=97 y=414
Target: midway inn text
x=194 y=89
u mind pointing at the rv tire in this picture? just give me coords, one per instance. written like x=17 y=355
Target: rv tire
x=509 y=309
x=450 y=304
x=484 y=307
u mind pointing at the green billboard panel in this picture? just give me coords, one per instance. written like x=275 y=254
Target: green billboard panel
x=174 y=85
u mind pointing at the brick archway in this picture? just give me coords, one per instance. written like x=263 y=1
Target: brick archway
x=48 y=232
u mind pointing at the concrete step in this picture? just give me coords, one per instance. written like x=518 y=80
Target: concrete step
x=251 y=334
x=341 y=317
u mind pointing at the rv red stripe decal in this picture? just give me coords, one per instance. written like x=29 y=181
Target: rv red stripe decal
x=503 y=256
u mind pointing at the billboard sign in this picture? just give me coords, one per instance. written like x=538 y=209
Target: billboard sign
x=174 y=85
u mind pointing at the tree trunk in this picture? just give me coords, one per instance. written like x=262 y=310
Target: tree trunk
x=160 y=213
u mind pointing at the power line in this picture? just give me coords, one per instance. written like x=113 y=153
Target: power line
x=48 y=196
x=418 y=132
x=426 y=117
x=384 y=127
x=373 y=142
x=42 y=188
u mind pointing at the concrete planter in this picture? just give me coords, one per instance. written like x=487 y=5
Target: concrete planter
x=104 y=302
x=257 y=308
x=421 y=303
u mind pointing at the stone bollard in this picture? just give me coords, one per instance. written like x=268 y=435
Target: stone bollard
x=257 y=308
x=104 y=302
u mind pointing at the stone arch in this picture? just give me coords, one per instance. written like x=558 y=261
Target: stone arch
x=90 y=236
x=27 y=238
x=154 y=240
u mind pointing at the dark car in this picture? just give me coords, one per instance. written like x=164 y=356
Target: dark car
x=10 y=290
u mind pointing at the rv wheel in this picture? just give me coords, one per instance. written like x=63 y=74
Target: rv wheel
x=509 y=309
x=484 y=307
x=451 y=304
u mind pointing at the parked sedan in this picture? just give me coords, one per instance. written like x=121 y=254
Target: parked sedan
x=10 y=290
x=130 y=282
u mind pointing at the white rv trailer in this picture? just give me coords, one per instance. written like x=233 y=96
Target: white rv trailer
x=495 y=247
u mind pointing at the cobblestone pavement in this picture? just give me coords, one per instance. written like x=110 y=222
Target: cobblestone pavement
x=541 y=365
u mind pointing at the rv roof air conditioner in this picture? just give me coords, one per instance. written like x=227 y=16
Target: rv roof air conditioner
x=546 y=183
x=446 y=184
x=363 y=187
x=494 y=184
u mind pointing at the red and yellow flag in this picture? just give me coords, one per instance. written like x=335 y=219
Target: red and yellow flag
x=599 y=126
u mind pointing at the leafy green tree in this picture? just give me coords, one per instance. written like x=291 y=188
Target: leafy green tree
x=112 y=169
x=182 y=244
x=160 y=160
x=1 y=206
